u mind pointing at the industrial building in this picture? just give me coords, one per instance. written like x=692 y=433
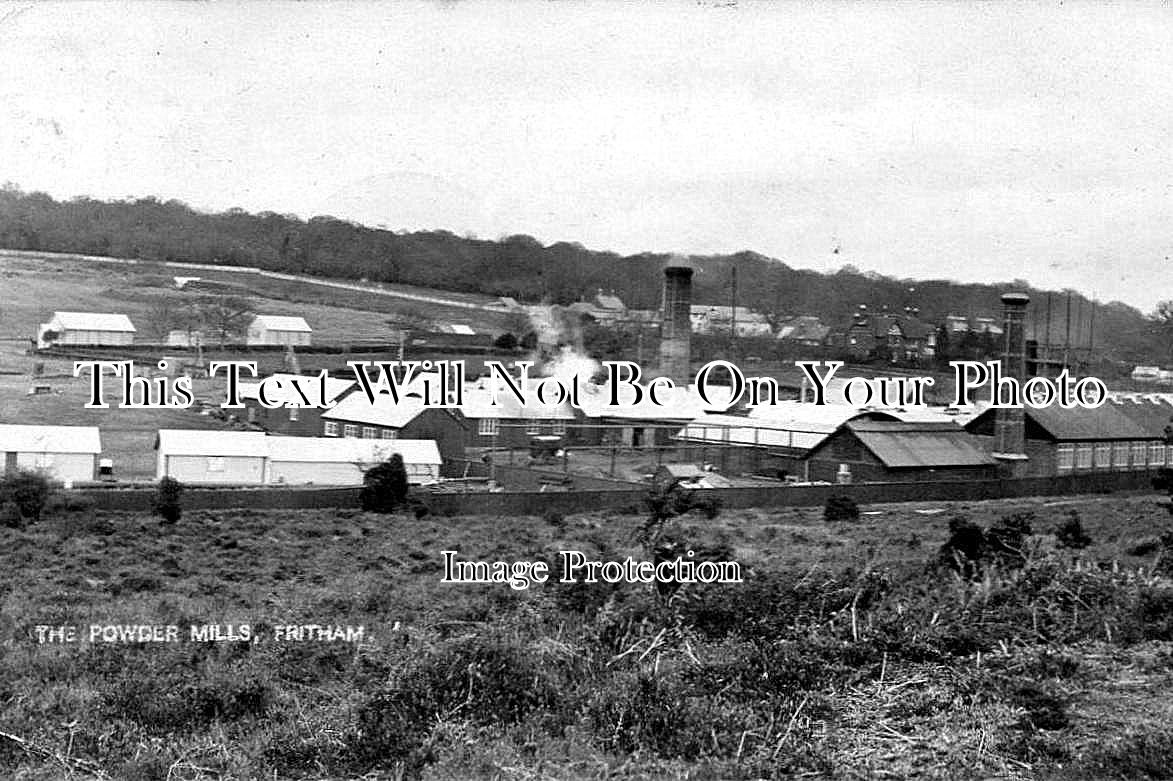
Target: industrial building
x=68 y=454
x=356 y=417
x=868 y=451
x=278 y=331
x=510 y=424
x=91 y=329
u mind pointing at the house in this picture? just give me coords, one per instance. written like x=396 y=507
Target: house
x=1121 y=435
x=356 y=417
x=332 y=461
x=870 y=451
x=68 y=454
x=278 y=330
x=92 y=329
x=299 y=421
x=254 y=458
x=898 y=338
x=712 y=319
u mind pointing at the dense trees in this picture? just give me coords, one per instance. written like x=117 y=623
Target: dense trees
x=517 y=266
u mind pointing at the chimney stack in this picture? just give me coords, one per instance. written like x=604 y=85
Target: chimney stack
x=676 y=326
x=1009 y=424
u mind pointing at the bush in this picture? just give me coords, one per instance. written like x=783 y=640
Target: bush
x=26 y=493
x=840 y=508
x=385 y=486
x=1070 y=533
x=166 y=502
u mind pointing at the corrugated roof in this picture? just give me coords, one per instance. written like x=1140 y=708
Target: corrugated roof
x=93 y=321
x=1102 y=423
x=24 y=438
x=680 y=403
x=788 y=425
x=335 y=387
x=282 y=323
x=1153 y=416
x=195 y=442
x=350 y=450
x=901 y=445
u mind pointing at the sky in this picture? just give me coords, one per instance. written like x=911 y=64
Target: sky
x=977 y=142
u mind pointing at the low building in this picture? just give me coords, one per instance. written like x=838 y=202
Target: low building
x=297 y=421
x=90 y=329
x=510 y=424
x=712 y=319
x=253 y=458
x=635 y=426
x=1118 y=436
x=875 y=451
x=68 y=454
x=804 y=330
x=278 y=331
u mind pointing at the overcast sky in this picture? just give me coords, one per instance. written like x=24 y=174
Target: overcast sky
x=980 y=142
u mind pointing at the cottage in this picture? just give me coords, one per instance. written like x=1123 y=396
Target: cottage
x=299 y=421
x=68 y=454
x=1121 y=435
x=892 y=337
x=91 y=329
x=278 y=330
x=896 y=451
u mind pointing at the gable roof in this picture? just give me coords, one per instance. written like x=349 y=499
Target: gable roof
x=352 y=450
x=282 y=323
x=900 y=445
x=356 y=408
x=93 y=321
x=1104 y=423
x=23 y=438
x=789 y=425
x=200 y=442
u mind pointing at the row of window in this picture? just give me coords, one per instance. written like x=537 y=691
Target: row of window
x=1114 y=455
x=352 y=431
x=491 y=427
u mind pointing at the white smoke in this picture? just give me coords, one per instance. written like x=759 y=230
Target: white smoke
x=569 y=363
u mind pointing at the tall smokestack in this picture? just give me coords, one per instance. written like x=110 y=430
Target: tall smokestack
x=1009 y=424
x=676 y=327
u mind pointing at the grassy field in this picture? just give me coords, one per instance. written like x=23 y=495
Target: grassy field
x=852 y=649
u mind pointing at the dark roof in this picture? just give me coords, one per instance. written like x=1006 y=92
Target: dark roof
x=1104 y=423
x=1152 y=416
x=901 y=445
x=911 y=327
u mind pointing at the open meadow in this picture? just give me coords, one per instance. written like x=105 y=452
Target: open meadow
x=853 y=648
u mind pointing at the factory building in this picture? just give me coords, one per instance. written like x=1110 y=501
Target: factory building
x=91 y=329
x=67 y=454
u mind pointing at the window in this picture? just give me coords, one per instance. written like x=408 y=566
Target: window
x=370 y=432
x=390 y=433
x=1156 y=454
x=294 y=414
x=559 y=427
x=1083 y=457
x=1120 y=455
x=350 y=430
x=1139 y=449
x=1104 y=455
x=330 y=429
x=1065 y=458
x=487 y=427
x=215 y=463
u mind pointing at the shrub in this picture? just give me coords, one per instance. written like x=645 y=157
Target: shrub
x=1005 y=537
x=167 y=500
x=1070 y=533
x=963 y=550
x=385 y=486
x=26 y=493
x=840 y=508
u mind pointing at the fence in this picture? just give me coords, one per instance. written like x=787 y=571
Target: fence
x=537 y=502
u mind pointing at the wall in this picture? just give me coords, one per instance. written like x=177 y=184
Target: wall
x=237 y=469
x=76 y=467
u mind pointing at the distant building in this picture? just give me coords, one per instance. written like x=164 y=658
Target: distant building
x=356 y=417
x=1152 y=374
x=899 y=337
x=96 y=329
x=711 y=319
x=195 y=456
x=63 y=453
x=278 y=330
x=181 y=338
x=509 y=424
x=804 y=330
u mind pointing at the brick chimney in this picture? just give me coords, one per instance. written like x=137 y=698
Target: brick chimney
x=1010 y=424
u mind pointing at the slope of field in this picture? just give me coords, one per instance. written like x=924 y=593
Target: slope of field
x=848 y=651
